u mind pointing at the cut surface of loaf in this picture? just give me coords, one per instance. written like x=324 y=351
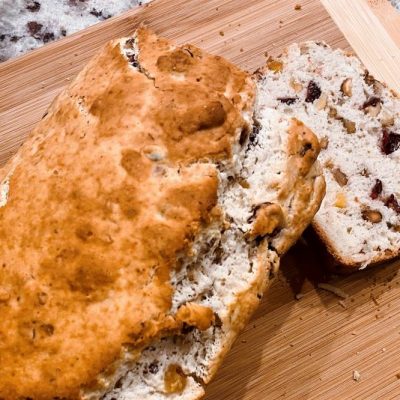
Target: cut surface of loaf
x=357 y=120
x=142 y=221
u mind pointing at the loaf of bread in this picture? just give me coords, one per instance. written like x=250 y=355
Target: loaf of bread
x=357 y=120
x=141 y=222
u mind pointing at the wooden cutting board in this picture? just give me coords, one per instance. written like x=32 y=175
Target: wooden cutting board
x=292 y=349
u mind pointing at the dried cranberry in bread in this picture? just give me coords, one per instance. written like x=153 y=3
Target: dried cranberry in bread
x=141 y=223
x=357 y=120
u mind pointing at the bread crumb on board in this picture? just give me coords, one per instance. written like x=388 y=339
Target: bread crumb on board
x=297 y=7
x=356 y=376
x=374 y=299
x=330 y=288
x=342 y=303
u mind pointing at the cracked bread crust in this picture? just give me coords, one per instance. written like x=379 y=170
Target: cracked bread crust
x=111 y=186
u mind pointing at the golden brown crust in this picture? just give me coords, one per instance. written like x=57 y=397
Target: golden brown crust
x=269 y=217
x=104 y=195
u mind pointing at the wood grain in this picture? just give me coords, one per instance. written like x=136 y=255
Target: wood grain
x=293 y=349
x=373 y=30
x=388 y=16
x=309 y=348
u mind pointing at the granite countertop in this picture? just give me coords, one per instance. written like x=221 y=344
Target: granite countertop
x=27 y=24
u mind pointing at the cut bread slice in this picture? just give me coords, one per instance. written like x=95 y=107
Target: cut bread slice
x=142 y=221
x=357 y=120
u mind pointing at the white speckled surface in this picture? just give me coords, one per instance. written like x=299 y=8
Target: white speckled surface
x=27 y=24
x=396 y=3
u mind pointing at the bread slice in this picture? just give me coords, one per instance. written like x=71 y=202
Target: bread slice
x=141 y=223
x=357 y=120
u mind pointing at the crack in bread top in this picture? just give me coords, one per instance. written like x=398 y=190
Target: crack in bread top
x=107 y=193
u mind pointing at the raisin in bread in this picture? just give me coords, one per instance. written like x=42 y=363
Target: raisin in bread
x=357 y=120
x=141 y=223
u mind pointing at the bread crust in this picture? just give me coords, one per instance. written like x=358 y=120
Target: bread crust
x=102 y=234
x=346 y=265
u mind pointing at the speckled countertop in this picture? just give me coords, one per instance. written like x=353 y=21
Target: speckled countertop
x=27 y=24
x=396 y=3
